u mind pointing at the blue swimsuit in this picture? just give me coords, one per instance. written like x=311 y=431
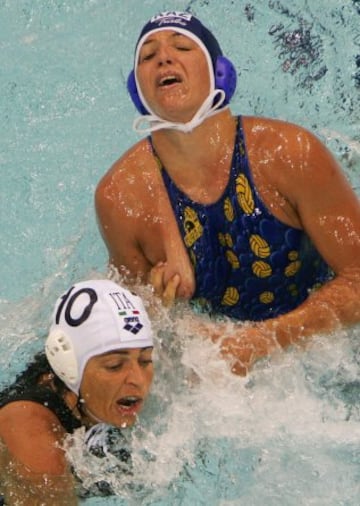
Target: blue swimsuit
x=248 y=265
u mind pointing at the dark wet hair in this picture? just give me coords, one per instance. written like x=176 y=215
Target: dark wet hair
x=31 y=377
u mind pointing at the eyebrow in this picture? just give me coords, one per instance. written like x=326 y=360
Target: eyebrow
x=175 y=34
x=124 y=352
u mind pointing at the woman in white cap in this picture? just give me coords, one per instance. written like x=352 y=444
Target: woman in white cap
x=253 y=215
x=97 y=367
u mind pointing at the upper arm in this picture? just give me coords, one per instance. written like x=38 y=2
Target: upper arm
x=328 y=208
x=304 y=183
x=119 y=218
x=32 y=435
x=32 y=464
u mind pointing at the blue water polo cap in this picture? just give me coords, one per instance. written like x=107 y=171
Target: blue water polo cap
x=184 y=21
x=222 y=71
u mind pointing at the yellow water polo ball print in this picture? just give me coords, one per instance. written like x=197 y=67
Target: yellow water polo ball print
x=259 y=246
x=192 y=258
x=192 y=226
x=228 y=209
x=232 y=259
x=228 y=240
x=266 y=297
x=221 y=238
x=225 y=240
x=261 y=269
x=293 y=255
x=244 y=194
x=231 y=296
x=292 y=268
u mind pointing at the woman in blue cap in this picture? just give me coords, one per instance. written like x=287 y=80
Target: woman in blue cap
x=97 y=368
x=251 y=217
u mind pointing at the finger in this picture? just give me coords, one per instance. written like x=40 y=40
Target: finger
x=156 y=278
x=169 y=294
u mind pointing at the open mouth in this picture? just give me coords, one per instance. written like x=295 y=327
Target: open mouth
x=129 y=402
x=169 y=80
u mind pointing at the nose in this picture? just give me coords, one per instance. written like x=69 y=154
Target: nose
x=134 y=374
x=164 y=56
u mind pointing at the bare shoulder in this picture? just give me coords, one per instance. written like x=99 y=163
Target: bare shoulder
x=32 y=462
x=294 y=171
x=288 y=147
x=132 y=210
x=130 y=187
x=32 y=433
x=138 y=162
x=267 y=129
x=30 y=417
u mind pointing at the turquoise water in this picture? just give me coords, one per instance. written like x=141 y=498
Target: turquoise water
x=290 y=433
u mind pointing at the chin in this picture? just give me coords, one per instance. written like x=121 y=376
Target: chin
x=126 y=421
x=175 y=113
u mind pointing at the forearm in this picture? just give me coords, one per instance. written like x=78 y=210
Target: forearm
x=333 y=306
x=336 y=304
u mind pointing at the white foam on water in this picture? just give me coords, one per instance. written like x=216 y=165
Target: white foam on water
x=286 y=430
x=288 y=434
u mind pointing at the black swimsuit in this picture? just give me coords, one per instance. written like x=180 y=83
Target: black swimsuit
x=50 y=400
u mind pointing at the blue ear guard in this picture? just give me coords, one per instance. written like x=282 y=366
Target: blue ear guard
x=225 y=79
x=132 y=89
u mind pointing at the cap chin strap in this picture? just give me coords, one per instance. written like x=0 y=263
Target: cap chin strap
x=151 y=122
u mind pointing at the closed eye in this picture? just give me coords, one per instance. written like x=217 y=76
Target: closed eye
x=116 y=366
x=147 y=57
x=145 y=363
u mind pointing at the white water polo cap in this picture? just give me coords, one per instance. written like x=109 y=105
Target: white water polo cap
x=221 y=72
x=91 y=318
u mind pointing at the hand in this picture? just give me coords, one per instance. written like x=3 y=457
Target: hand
x=166 y=292
x=249 y=345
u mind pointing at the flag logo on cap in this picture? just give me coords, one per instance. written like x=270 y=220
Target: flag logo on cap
x=125 y=309
x=124 y=313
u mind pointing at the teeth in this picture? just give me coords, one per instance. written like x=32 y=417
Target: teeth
x=167 y=79
x=128 y=401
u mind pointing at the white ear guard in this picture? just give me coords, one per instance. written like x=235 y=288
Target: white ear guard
x=60 y=351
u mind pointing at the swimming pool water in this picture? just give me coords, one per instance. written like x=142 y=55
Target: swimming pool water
x=289 y=434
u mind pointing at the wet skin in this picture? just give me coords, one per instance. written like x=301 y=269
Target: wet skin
x=115 y=386
x=295 y=175
x=173 y=75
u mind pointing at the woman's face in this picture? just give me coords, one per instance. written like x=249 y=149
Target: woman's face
x=173 y=75
x=116 y=384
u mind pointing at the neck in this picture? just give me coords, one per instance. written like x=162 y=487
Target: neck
x=88 y=418
x=199 y=163
x=152 y=122
x=213 y=134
